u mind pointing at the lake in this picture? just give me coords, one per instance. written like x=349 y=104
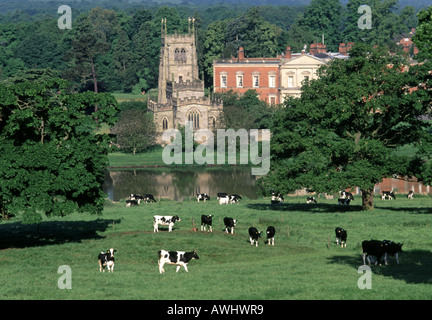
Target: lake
x=185 y=182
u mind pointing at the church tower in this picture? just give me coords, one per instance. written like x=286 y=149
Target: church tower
x=181 y=99
x=178 y=61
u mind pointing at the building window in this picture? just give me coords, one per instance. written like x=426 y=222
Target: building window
x=255 y=80
x=183 y=56
x=272 y=81
x=290 y=81
x=223 y=81
x=305 y=78
x=177 y=55
x=165 y=123
x=193 y=119
x=272 y=100
x=239 y=81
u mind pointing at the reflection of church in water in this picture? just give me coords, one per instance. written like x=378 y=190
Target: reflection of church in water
x=181 y=96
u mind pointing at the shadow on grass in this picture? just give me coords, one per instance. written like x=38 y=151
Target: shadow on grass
x=411 y=210
x=414 y=266
x=316 y=208
x=18 y=235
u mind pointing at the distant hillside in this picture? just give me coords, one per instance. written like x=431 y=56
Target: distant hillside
x=36 y=6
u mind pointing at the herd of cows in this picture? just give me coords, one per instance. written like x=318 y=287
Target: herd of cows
x=374 y=251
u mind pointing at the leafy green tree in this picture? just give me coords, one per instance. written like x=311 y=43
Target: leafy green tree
x=323 y=17
x=135 y=131
x=51 y=159
x=423 y=41
x=346 y=127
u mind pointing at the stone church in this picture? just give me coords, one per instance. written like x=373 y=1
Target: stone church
x=181 y=98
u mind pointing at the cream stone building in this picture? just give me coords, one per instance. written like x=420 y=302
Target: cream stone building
x=181 y=98
x=294 y=70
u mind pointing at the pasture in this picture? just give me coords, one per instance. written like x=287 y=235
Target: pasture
x=305 y=263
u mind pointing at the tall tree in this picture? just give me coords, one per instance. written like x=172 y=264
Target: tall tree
x=323 y=17
x=52 y=161
x=346 y=127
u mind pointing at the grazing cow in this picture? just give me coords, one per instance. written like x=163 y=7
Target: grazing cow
x=202 y=196
x=341 y=237
x=410 y=195
x=179 y=258
x=373 y=248
x=106 y=259
x=254 y=234
x=164 y=221
x=271 y=231
x=136 y=196
x=311 y=200
x=277 y=198
x=130 y=203
x=224 y=199
x=234 y=198
x=206 y=220
x=230 y=223
x=149 y=198
x=392 y=249
x=388 y=195
x=346 y=195
x=344 y=201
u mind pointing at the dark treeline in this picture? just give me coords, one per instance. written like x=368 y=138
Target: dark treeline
x=115 y=47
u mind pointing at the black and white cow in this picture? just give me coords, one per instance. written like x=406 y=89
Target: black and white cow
x=341 y=236
x=230 y=223
x=410 y=195
x=234 y=198
x=271 y=231
x=106 y=259
x=374 y=248
x=344 y=201
x=179 y=258
x=130 y=203
x=346 y=195
x=388 y=195
x=277 y=198
x=206 y=221
x=254 y=234
x=164 y=221
x=149 y=198
x=223 y=199
x=311 y=200
x=392 y=249
x=202 y=196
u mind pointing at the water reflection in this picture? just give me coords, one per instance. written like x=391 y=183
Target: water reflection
x=180 y=184
x=183 y=183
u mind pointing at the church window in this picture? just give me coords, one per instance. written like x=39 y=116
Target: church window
x=193 y=119
x=165 y=123
x=177 y=55
x=183 y=56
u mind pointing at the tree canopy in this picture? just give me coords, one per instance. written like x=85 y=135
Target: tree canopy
x=51 y=160
x=345 y=129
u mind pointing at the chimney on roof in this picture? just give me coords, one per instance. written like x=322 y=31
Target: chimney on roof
x=317 y=48
x=343 y=49
x=287 y=53
x=240 y=53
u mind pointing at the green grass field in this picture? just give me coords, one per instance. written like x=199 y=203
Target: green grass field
x=301 y=265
